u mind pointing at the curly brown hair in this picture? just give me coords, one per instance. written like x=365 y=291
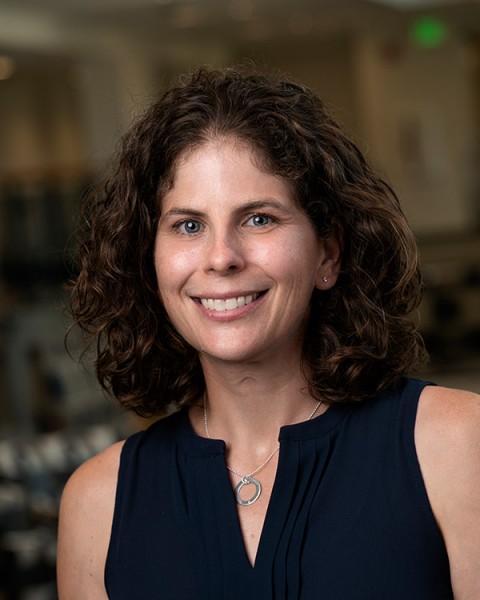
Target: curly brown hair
x=359 y=340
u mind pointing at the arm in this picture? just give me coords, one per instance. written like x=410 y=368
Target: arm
x=447 y=437
x=86 y=513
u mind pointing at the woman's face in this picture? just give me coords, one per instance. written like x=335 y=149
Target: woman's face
x=236 y=259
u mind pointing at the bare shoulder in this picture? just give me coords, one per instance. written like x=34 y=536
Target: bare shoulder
x=458 y=407
x=96 y=475
x=86 y=513
x=447 y=437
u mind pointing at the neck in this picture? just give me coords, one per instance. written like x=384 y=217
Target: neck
x=247 y=404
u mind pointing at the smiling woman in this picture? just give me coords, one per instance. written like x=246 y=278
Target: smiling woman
x=218 y=259
x=246 y=267
x=359 y=339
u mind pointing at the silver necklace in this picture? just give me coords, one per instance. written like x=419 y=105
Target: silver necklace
x=249 y=479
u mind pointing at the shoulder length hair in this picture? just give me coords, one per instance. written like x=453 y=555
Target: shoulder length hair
x=359 y=339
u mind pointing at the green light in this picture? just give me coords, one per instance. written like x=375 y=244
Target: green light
x=428 y=32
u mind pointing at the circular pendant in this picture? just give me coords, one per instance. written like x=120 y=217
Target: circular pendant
x=256 y=494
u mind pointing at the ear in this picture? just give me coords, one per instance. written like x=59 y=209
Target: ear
x=330 y=261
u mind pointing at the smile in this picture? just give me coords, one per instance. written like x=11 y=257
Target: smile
x=228 y=303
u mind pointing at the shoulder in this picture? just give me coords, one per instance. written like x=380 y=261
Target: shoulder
x=95 y=479
x=447 y=437
x=448 y=421
x=442 y=400
x=86 y=514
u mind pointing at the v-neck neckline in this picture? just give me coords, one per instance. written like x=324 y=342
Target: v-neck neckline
x=222 y=495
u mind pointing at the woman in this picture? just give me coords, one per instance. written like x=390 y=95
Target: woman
x=246 y=266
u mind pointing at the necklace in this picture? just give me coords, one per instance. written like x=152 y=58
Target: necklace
x=249 y=479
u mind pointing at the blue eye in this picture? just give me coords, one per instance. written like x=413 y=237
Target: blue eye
x=260 y=220
x=188 y=227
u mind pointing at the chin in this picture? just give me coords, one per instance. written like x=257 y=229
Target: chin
x=227 y=356
x=238 y=355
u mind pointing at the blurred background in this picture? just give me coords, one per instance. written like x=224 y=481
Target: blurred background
x=402 y=76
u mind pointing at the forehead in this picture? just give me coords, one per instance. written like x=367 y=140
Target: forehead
x=223 y=170
x=221 y=145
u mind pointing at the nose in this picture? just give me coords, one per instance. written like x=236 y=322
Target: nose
x=224 y=253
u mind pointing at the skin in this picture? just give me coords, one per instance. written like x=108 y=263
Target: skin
x=230 y=230
x=447 y=438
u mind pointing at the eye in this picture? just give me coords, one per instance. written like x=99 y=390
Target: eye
x=188 y=227
x=260 y=220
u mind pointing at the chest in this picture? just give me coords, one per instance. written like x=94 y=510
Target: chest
x=308 y=536
x=251 y=517
x=336 y=520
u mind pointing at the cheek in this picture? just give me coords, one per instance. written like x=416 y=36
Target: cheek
x=291 y=258
x=172 y=266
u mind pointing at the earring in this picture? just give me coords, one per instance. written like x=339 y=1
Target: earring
x=324 y=279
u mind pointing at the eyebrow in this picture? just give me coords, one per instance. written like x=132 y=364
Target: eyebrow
x=253 y=205
x=182 y=212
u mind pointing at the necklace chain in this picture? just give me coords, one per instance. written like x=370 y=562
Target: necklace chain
x=246 y=478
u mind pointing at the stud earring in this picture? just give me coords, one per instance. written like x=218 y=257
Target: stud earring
x=324 y=279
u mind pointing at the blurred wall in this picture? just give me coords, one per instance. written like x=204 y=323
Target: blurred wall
x=413 y=108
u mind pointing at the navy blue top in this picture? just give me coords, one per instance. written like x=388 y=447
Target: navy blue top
x=348 y=519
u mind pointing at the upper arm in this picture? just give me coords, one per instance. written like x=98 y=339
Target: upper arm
x=447 y=438
x=86 y=514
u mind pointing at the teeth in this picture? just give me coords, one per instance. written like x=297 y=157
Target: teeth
x=228 y=303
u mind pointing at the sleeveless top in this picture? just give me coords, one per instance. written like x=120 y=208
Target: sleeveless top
x=348 y=519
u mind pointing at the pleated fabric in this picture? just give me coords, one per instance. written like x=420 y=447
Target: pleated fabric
x=348 y=519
